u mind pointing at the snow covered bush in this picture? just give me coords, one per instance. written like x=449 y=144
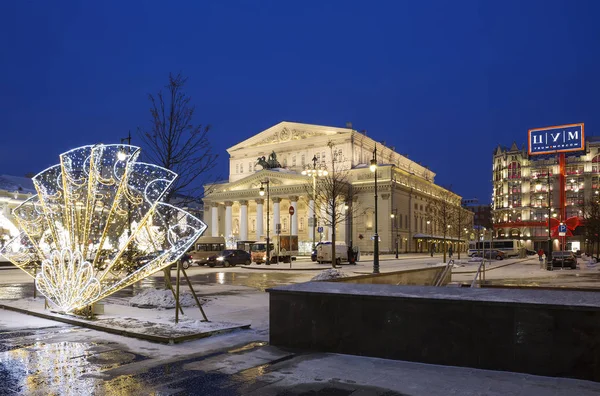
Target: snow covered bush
x=330 y=273
x=160 y=298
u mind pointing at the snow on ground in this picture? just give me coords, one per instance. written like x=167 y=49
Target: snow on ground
x=331 y=273
x=161 y=298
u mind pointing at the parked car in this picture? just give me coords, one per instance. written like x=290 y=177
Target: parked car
x=230 y=257
x=530 y=252
x=564 y=258
x=186 y=260
x=490 y=254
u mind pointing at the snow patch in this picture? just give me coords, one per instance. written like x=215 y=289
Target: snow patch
x=331 y=273
x=161 y=298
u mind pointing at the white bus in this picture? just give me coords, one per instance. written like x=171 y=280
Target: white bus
x=510 y=247
x=205 y=247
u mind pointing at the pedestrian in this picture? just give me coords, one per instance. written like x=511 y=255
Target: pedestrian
x=450 y=251
x=541 y=255
x=431 y=248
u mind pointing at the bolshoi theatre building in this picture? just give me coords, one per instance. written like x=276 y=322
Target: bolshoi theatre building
x=236 y=210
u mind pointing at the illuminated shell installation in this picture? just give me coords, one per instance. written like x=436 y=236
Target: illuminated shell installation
x=97 y=225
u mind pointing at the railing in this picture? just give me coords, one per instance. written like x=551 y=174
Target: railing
x=440 y=279
x=480 y=274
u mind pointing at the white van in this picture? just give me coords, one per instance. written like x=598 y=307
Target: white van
x=324 y=252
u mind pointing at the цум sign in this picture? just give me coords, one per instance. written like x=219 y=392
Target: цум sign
x=556 y=139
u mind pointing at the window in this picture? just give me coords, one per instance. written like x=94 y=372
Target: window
x=369 y=220
x=253 y=224
x=323 y=157
x=294 y=160
x=595 y=166
x=285 y=224
x=241 y=168
x=250 y=167
x=303 y=160
x=400 y=218
x=302 y=224
x=514 y=170
x=340 y=156
x=237 y=168
x=498 y=171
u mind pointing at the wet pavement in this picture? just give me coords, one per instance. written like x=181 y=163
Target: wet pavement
x=34 y=362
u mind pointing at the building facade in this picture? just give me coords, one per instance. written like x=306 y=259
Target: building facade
x=14 y=190
x=526 y=193
x=234 y=209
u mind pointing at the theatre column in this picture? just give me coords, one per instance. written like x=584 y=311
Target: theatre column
x=294 y=204
x=276 y=215
x=259 y=218
x=244 y=220
x=214 y=221
x=228 y=219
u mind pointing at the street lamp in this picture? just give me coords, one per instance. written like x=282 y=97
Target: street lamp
x=395 y=226
x=430 y=237
x=373 y=168
x=314 y=173
x=122 y=156
x=261 y=192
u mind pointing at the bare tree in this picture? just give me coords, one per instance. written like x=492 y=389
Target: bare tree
x=590 y=212
x=444 y=209
x=174 y=142
x=333 y=191
x=463 y=223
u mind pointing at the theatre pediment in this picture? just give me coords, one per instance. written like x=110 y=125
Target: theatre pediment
x=286 y=132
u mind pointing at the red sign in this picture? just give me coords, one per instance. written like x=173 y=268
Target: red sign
x=291 y=210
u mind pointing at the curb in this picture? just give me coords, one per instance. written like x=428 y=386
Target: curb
x=153 y=338
x=270 y=268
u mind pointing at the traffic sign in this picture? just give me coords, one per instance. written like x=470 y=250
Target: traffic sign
x=320 y=229
x=291 y=210
x=562 y=229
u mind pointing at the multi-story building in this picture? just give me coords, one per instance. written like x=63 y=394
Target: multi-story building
x=14 y=190
x=405 y=189
x=526 y=193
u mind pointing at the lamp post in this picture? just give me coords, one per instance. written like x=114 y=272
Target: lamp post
x=393 y=215
x=122 y=156
x=261 y=192
x=314 y=172
x=430 y=237
x=549 y=254
x=373 y=168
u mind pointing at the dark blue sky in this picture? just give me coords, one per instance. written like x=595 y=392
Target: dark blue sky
x=443 y=81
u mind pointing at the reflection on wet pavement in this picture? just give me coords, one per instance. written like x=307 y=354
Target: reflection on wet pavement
x=257 y=280
x=61 y=368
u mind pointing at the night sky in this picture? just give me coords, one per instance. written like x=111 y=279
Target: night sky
x=442 y=81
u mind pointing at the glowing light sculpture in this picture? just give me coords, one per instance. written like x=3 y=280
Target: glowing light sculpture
x=94 y=214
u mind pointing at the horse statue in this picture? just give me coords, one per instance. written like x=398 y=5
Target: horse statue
x=270 y=163
x=262 y=162
x=273 y=163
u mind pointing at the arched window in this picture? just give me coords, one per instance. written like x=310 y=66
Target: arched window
x=595 y=164
x=514 y=170
x=498 y=171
